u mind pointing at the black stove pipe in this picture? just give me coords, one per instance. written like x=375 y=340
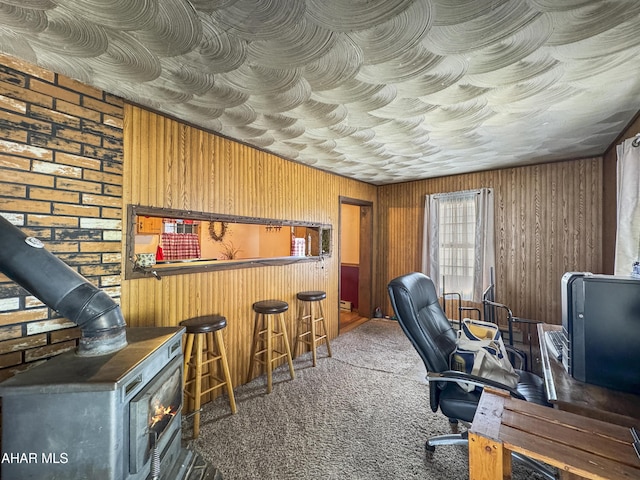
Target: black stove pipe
x=25 y=261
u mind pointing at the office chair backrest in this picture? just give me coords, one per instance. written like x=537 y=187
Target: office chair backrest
x=415 y=303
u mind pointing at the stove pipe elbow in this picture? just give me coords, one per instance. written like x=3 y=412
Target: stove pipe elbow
x=25 y=261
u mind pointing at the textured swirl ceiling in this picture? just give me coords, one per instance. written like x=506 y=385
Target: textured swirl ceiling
x=382 y=91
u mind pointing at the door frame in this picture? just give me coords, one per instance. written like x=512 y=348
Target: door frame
x=365 y=270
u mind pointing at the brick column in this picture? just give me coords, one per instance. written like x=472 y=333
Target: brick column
x=61 y=181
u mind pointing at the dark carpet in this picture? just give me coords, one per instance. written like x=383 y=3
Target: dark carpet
x=362 y=414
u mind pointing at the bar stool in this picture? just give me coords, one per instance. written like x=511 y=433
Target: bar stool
x=199 y=329
x=265 y=334
x=309 y=305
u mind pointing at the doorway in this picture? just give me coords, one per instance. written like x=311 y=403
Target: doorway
x=355 y=256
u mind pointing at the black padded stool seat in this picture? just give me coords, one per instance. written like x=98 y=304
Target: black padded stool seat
x=266 y=333
x=312 y=296
x=270 y=307
x=204 y=324
x=310 y=314
x=203 y=347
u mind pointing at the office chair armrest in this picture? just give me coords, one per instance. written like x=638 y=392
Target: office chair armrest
x=455 y=376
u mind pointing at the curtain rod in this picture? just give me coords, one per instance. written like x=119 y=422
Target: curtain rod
x=475 y=191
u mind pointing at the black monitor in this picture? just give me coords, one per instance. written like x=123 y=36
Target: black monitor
x=601 y=322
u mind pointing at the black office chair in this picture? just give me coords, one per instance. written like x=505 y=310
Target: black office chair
x=415 y=303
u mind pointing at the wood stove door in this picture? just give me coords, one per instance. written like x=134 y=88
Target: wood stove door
x=153 y=412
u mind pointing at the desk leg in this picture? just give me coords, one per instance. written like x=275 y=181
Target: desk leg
x=488 y=459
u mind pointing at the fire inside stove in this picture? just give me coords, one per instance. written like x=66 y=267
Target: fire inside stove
x=161 y=417
x=164 y=403
x=152 y=411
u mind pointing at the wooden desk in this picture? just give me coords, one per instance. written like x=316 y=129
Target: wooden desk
x=578 y=446
x=568 y=394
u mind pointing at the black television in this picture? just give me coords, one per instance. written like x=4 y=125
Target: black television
x=601 y=325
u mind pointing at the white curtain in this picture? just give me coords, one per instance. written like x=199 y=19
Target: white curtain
x=628 y=212
x=484 y=240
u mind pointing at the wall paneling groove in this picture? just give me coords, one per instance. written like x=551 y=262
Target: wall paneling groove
x=172 y=165
x=548 y=221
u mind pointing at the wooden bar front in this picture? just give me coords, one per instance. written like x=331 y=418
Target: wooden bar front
x=576 y=445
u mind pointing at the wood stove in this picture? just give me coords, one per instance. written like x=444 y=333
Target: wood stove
x=112 y=409
x=111 y=417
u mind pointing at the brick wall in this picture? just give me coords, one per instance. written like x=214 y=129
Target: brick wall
x=60 y=181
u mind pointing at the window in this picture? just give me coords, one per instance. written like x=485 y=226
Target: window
x=458 y=246
x=164 y=241
x=457 y=226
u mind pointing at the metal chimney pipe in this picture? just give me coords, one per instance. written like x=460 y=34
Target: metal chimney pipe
x=25 y=261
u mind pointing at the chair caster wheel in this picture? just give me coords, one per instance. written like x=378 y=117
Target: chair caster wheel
x=429 y=448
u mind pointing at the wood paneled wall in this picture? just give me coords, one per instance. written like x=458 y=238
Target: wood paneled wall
x=548 y=221
x=172 y=165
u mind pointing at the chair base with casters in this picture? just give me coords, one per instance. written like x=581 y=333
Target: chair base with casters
x=419 y=313
x=461 y=438
x=529 y=390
